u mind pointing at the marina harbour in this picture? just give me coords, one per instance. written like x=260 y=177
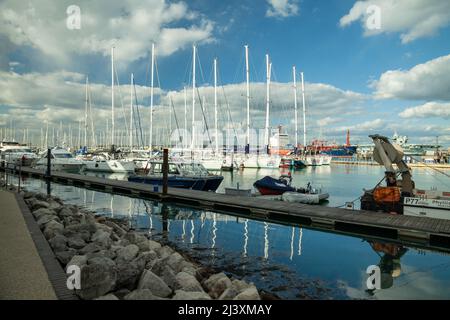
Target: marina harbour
x=225 y=153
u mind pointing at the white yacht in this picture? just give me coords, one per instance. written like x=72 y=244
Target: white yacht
x=104 y=163
x=12 y=153
x=326 y=159
x=313 y=160
x=269 y=161
x=61 y=160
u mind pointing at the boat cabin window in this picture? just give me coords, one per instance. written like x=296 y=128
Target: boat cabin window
x=62 y=155
x=173 y=169
x=157 y=168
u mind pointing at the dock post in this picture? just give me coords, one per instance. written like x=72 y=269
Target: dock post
x=165 y=168
x=48 y=173
x=20 y=177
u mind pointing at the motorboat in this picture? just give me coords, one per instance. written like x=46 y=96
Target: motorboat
x=181 y=174
x=12 y=153
x=311 y=197
x=104 y=163
x=61 y=160
x=269 y=186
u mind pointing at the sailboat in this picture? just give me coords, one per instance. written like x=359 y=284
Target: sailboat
x=249 y=160
x=107 y=162
x=267 y=160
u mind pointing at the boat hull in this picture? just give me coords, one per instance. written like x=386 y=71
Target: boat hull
x=202 y=184
x=112 y=166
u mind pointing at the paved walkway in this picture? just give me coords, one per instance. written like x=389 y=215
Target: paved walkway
x=22 y=273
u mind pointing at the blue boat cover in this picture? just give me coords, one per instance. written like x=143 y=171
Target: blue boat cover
x=273 y=184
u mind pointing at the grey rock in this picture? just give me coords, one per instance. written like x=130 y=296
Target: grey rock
x=65 y=212
x=58 y=243
x=109 y=296
x=135 y=237
x=240 y=285
x=39 y=204
x=143 y=246
x=102 y=260
x=97 y=279
x=128 y=273
x=144 y=258
x=52 y=229
x=117 y=229
x=156 y=266
x=157 y=286
x=175 y=261
x=76 y=242
x=169 y=277
x=64 y=257
x=191 y=270
x=128 y=253
x=102 y=253
x=121 y=293
x=43 y=212
x=229 y=294
x=52 y=204
x=248 y=294
x=187 y=282
x=103 y=227
x=192 y=295
x=154 y=245
x=142 y=294
x=102 y=237
x=217 y=284
x=90 y=248
x=43 y=220
x=77 y=260
x=164 y=252
x=80 y=227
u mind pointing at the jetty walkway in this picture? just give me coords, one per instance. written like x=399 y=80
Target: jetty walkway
x=423 y=231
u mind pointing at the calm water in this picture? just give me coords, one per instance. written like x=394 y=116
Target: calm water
x=289 y=261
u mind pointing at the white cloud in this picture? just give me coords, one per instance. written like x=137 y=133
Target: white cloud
x=282 y=8
x=60 y=96
x=427 y=81
x=413 y=19
x=132 y=25
x=428 y=110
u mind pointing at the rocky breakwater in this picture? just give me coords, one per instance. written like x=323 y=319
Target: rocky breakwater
x=119 y=263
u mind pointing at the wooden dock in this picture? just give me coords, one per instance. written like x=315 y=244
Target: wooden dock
x=428 y=232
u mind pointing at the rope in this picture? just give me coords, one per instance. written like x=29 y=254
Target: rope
x=430 y=167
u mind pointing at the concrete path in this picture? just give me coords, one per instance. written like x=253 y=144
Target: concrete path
x=22 y=273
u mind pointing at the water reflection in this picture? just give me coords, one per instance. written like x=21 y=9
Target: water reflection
x=389 y=264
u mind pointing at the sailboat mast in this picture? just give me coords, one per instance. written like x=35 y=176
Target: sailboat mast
x=151 y=95
x=268 y=70
x=304 y=111
x=295 y=106
x=112 y=96
x=194 y=49
x=185 y=118
x=215 y=107
x=131 y=112
x=247 y=75
x=86 y=114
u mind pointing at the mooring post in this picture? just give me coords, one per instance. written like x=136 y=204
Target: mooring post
x=48 y=173
x=165 y=169
x=20 y=177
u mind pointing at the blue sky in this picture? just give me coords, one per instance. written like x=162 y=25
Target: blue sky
x=391 y=78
